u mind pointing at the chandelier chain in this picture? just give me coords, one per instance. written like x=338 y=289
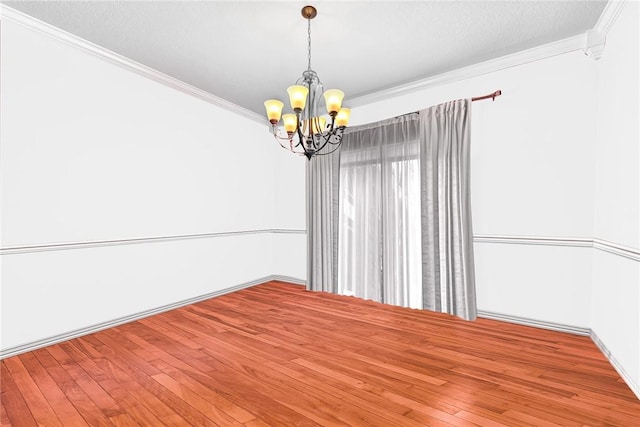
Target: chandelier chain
x=308 y=44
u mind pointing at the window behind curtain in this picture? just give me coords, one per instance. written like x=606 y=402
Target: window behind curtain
x=379 y=244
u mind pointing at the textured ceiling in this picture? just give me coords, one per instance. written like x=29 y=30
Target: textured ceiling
x=249 y=51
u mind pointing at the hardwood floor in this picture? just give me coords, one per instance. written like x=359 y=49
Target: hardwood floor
x=276 y=355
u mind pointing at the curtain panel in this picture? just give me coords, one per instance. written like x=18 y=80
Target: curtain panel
x=389 y=215
x=322 y=222
x=448 y=273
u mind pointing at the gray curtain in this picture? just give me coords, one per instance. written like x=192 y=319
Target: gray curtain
x=447 y=234
x=389 y=216
x=322 y=222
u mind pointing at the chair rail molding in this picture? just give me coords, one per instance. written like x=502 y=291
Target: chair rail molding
x=23 y=249
x=581 y=242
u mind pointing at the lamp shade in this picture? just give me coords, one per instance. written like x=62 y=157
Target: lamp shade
x=333 y=100
x=274 y=109
x=342 y=119
x=290 y=122
x=298 y=96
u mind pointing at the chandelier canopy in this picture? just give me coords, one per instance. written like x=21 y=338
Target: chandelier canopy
x=306 y=132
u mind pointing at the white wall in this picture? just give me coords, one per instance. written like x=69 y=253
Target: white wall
x=616 y=280
x=92 y=152
x=290 y=250
x=532 y=175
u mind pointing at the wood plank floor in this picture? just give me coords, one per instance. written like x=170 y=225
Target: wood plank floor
x=277 y=355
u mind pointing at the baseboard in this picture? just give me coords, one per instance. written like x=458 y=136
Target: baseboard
x=628 y=379
x=13 y=351
x=288 y=279
x=576 y=330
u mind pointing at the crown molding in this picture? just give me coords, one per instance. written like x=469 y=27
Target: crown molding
x=591 y=43
x=594 y=42
x=609 y=15
x=596 y=39
x=15 y=16
x=548 y=50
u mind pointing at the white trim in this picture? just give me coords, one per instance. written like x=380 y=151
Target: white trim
x=600 y=244
x=13 y=351
x=634 y=386
x=534 y=240
x=608 y=16
x=548 y=50
x=576 y=330
x=596 y=39
x=617 y=249
x=25 y=249
x=594 y=42
x=585 y=242
x=13 y=15
x=288 y=279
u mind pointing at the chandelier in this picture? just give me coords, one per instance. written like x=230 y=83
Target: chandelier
x=306 y=132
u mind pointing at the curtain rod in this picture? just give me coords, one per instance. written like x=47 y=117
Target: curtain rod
x=491 y=95
x=477 y=98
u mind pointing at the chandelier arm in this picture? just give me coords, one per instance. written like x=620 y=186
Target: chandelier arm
x=299 y=143
x=278 y=137
x=315 y=125
x=339 y=133
x=329 y=152
x=290 y=150
x=282 y=138
x=301 y=138
x=338 y=140
x=326 y=141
